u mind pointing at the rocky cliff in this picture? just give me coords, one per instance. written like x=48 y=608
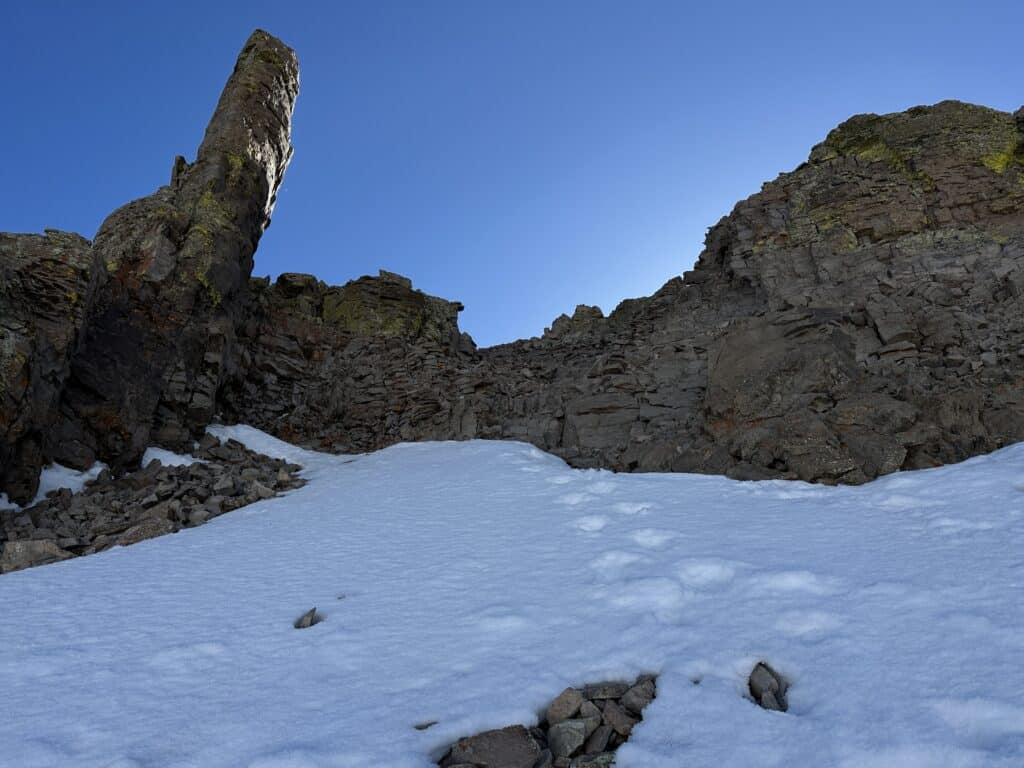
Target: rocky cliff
x=135 y=334
x=859 y=315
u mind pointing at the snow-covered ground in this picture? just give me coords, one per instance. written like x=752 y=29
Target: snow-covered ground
x=469 y=583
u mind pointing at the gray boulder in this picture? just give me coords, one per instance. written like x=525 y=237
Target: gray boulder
x=768 y=688
x=511 y=747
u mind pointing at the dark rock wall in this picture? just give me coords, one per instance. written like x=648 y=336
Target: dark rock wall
x=347 y=368
x=47 y=285
x=859 y=315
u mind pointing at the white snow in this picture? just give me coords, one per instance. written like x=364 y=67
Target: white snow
x=54 y=477
x=168 y=458
x=469 y=583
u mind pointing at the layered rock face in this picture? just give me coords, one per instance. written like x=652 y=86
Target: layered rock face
x=348 y=368
x=110 y=348
x=47 y=287
x=859 y=315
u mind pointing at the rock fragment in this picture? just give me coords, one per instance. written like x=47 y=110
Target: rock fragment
x=768 y=688
x=566 y=737
x=511 y=747
x=564 y=706
x=308 y=619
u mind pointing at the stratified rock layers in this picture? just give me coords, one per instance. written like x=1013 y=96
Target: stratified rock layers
x=108 y=349
x=47 y=286
x=859 y=315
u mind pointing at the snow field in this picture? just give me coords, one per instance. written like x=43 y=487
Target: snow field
x=469 y=583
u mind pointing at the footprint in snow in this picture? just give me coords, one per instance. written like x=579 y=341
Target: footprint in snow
x=591 y=523
x=187 y=658
x=950 y=525
x=498 y=619
x=614 y=560
x=792 y=581
x=560 y=479
x=652 y=538
x=631 y=507
x=808 y=625
x=575 y=499
x=707 y=572
x=662 y=597
x=987 y=722
x=602 y=486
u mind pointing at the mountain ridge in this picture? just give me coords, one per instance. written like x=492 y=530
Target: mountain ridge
x=858 y=315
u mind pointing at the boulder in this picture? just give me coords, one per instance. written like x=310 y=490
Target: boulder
x=768 y=688
x=567 y=737
x=16 y=555
x=511 y=747
x=565 y=705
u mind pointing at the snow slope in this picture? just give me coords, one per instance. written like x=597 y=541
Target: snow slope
x=470 y=582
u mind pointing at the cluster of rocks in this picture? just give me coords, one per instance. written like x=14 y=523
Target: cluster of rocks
x=768 y=688
x=581 y=728
x=859 y=315
x=148 y=502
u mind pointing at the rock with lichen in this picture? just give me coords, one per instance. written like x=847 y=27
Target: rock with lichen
x=162 y=328
x=105 y=350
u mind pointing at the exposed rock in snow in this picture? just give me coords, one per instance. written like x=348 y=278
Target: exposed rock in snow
x=768 y=688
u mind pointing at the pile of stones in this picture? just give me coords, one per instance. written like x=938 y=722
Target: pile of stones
x=148 y=502
x=581 y=728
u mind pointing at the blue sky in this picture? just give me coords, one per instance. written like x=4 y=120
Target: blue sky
x=519 y=157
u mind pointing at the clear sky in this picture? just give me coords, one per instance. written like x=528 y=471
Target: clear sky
x=521 y=157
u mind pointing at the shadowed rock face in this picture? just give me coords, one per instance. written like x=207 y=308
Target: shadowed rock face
x=108 y=349
x=859 y=315
x=159 y=335
x=47 y=285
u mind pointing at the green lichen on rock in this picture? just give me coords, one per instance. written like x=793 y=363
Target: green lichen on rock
x=270 y=56
x=202 y=275
x=357 y=309
x=236 y=164
x=1012 y=155
x=863 y=139
x=210 y=206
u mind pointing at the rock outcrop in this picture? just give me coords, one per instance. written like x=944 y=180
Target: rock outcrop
x=162 y=328
x=136 y=334
x=859 y=315
x=47 y=287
